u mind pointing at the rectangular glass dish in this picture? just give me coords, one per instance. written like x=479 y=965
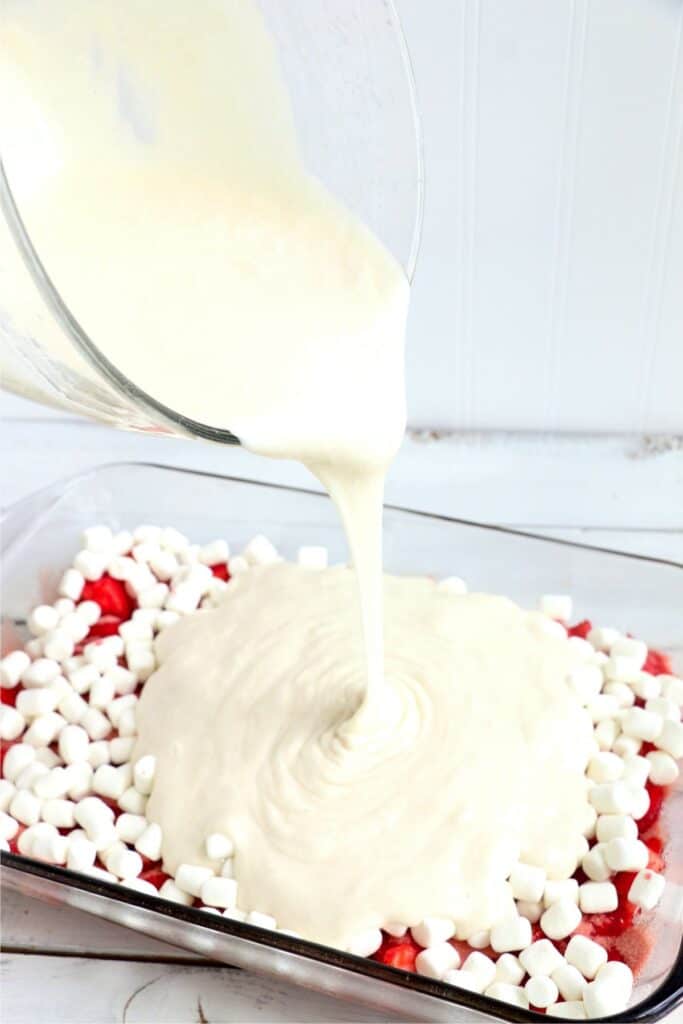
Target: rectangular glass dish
x=642 y=596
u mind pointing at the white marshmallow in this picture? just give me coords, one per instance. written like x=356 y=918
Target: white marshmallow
x=530 y=909
x=643 y=725
x=612 y=826
x=7 y=791
x=154 y=596
x=541 y=957
x=622 y=693
x=565 y=889
x=586 y=682
x=626 y=854
x=220 y=892
x=48 y=757
x=118 y=706
x=73 y=744
x=260 y=551
x=436 y=961
x=75 y=627
x=603 y=637
x=112 y=782
x=97 y=538
x=606 y=734
x=541 y=991
x=25 y=807
x=93 y=815
x=80 y=780
x=569 y=980
x=53 y=849
x=18 y=757
x=40 y=672
x=603 y=707
x=102 y=657
x=71 y=584
x=672 y=688
x=527 y=882
x=464 y=979
x=143 y=774
x=89 y=611
x=33 y=703
x=55 y=783
x=164 y=565
x=123 y=680
x=610 y=992
x=640 y=802
x=42 y=619
x=81 y=853
x=12 y=722
x=98 y=753
x=132 y=801
x=72 y=708
x=44 y=729
x=59 y=812
x=170 y=891
x=481 y=967
x=605 y=767
x=561 y=919
x=237 y=564
x=611 y=798
x=83 y=677
x=432 y=931
x=570 y=1010
x=393 y=928
x=509 y=970
x=622 y=668
x=129 y=827
x=636 y=770
x=646 y=889
x=96 y=724
x=313 y=557
x=663 y=768
x=191 y=877
x=668 y=709
x=12 y=668
x=586 y=955
x=594 y=864
x=139 y=885
x=266 y=921
x=122 y=862
x=58 y=645
x=670 y=739
x=217 y=552
x=630 y=648
x=598 y=897
x=141 y=659
x=101 y=693
x=512 y=994
x=166 y=618
x=121 y=748
x=479 y=940
x=8 y=826
x=219 y=846
x=148 y=843
x=646 y=686
x=556 y=606
x=511 y=934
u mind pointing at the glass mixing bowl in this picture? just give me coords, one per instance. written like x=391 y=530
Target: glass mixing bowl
x=348 y=75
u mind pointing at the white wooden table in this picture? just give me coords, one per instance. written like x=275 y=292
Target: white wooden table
x=63 y=967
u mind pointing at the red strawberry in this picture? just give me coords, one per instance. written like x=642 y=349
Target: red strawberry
x=111 y=595
x=220 y=570
x=9 y=696
x=657 y=794
x=657 y=663
x=399 y=953
x=156 y=876
x=581 y=629
x=108 y=625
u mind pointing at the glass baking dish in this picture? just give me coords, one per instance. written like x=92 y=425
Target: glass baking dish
x=643 y=596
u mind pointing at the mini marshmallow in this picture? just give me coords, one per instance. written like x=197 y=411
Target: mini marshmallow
x=118 y=706
x=611 y=798
x=129 y=827
x=598 y=897
x=48 y=757
x=663 y=768
x=101 y=693
x=96 y=724
x=97 y=538
x=393 y=928
x=668 y=709
x=621 y=692
x=432 y=931
x=28 y=776
x=40 y=672
x=71 y=584
x=132 y=801
x=640 y=801
x=64 y=606
x=643 y=725
x=509 y=970
x=511 y=934
x=453 y=585
x=603 y=707
x=260 y=551
x=58 y=812
x=75 y=626
x=147 y=533
x=622 y=669
x=103 y=658
x=436 y=961
x=672 y=688
x=556 y=606
x=154 y=596
x=136 y=630
x=220 y=892
x=98 y=753
x=646 y=686
x=170 y=538
x=121 y=566
x=217 y=552
x=541 y=957
x=266 y=921
x=33 y=703
x=121 y=748
x=27 y=838
x=53 y=849
x=73 y=744
x=89 y=611
x=570 y=1010
x=148 y=843
x=586 y=955
x=613 y=826
x=594 y=864
x=605 y=767
x=541 y=991
x=80 y=780
x=58 y=645
x=313 y=557
x=25 y=807
x=8 y=826
x=626 y=746
x=7 y=791
x=72 y=708
x=139 y=885
x=530 y=909
x=44 y=729
x=12 y=668
x=83 y=677
x=163 y=564
x=143 y=774
x=191 y=877
x=626 y=854
x=16 y=759
x=165 y=619
x=527 y=882
x=122 y=679
x=569 y=980
x=81 y=853
x=12 y=722
x=34 y=648
x=140 y=579
x=42 y=619
x=141 y=659
x=170 y=891
x=630 y=648
x=670 y=739
x=92 y=814
x=636 y=770
x=561 y=919
x=565 y=889
x=122 y=862
x=219 y=846
x=237 y=564
x=464 y=979
x=110 y=781
x=646 y=889
x=481 y=967
x=479 y=940
x=610 y=992
x=606 y=734
x=512 y=994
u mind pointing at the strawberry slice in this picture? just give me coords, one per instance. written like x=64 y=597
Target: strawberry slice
x=657 y=794
x=108 y=625
x=220 y=571
x=581 y=629
x=111 y=595
x=399 y=953
x=156 y=876
x=657 y=663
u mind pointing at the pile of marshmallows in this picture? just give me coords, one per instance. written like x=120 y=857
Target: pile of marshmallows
x=74 y=733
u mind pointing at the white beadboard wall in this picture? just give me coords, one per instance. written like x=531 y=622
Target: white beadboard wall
x=549 y=290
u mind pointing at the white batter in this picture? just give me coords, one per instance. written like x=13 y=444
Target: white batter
x=169 y=203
